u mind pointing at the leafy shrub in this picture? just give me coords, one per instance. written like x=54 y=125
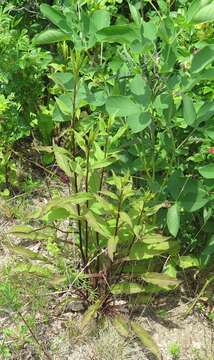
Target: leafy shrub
x=138 y=152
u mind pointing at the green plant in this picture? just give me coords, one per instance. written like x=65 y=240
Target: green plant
x=175 y=350
x=22 y=72
x=129 y=114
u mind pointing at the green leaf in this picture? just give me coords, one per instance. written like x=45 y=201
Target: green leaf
x=64 y=79
x=173 y=219
x=121 y=325
x=64 y=103
x=50 y=36
x=120 y=106
x=58 y=214
x=169 y=58
x=206 y=14
x=23 y=229
x=193 y=198
x=33 y=269
x=186 y=262
x=26 y=253
x=139 y=121
x=140 y=87
x=65 y=202
x=90 y=313
x=146 y=339
x=188 y=110
x=127 y=288
x=204 y=57
x=112 y=246
x=141 y=251
x=63 y=160
x=149 y=30
x=160 y=279
x=195 y=7
x=100 y=19
x=55 y=16
x=97 y=224
x=135 y=14
x=59 y=116
x=205 y=112
x=122 y=34
x=209 y=132
x=154 y=238
x=207 y=171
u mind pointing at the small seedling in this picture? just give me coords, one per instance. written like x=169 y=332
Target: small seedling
x=175 y=350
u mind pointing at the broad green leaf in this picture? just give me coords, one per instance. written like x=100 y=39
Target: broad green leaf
x=173 y=219
x=122 y=34
x=120 y=106
x=90 y=313
x=50 y=36
x=146 y=339
x=205 y=112
x=139 y=121
x=64 y=103
x=165 y=106
x=193 y=198
x=64 y=79
x=26 y=253
x=160 y=279
x=149 y=30
x=56 y=17
x=109 y=194
x=97 y=224
x=80 y=141
x=139 y=87
x=102 y=164
x=135 y=14
x=188 y=261
x=188 y=110
x=169 y=58
x=154 y=238
x=63 y=160
x=127 y=288
x=125 y=219
x=209 y=132
x=141 y=251
x=59 y=116
x=195 y=7
x=58 y=213
x=206 y=14
x=112 y=246
x=99 y=19
x=188 y=192
x=207 y=171
x=202 y=58
x=121 y=325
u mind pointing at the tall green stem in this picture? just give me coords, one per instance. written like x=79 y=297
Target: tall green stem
x=100 y=189
x=73 y=125
x=87 y=203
